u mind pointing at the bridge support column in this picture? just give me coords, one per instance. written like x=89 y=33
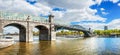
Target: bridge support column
x=29 y=31
x=1 y=29
x=86 y=34
x=22 y=35
x=29 y=34
x=44 y=35
x=53 y=33
x=53 y=36
x=52 y=27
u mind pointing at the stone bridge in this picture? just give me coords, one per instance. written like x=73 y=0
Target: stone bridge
x=46 y=27
x=26 y=28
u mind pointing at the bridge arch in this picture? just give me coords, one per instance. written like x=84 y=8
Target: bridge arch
x=22 y=30
x=43 y=32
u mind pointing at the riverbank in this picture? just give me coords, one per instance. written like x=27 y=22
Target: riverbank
x=6 y=42
x=110 y=36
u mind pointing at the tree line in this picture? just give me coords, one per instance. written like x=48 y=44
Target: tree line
x=69 y=33
x=107 y=32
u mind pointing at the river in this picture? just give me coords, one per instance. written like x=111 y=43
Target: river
x=66 y=46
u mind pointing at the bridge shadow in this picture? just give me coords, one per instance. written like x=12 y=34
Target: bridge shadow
x=43 y=32
x=22 y=50
x=41 y=48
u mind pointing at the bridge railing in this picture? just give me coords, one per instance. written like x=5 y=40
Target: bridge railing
x=78 y=27
x=39 y=19
x=12 y=16
x=67 y=24
x=23 y=17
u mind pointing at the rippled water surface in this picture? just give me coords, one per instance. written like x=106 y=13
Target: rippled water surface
x=66 y=46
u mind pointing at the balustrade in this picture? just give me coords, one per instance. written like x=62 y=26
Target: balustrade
x=23 y=17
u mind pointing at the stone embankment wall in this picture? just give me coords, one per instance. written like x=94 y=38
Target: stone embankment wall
x=6 y=42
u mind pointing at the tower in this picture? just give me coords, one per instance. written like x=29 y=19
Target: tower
x=105 y=27
x=52 y=32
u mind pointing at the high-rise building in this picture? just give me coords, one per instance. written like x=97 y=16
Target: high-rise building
x=105 y=27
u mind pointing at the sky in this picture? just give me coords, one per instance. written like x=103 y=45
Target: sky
x=94 y=14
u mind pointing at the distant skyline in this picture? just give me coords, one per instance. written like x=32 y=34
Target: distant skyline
x=93 y=14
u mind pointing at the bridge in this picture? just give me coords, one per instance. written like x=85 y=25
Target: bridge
x=25 y=23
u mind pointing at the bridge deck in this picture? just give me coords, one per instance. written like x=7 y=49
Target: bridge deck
x=36 y=19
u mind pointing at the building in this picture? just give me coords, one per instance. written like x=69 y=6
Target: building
x=105 y=27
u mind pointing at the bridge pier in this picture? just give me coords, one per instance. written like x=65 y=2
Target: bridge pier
x=29 y=34
x=53 y=35
x=29 y=30
x=1 y=28
x=86 y=34
x=52 y=32
x=44 y=35
x=22 y=35
x=1 y=33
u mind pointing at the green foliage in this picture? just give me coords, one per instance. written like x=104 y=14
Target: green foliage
x=69 y=33
x=107 y=32
x=35 y=33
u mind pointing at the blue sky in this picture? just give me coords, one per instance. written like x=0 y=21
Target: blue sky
x=112 y=10
x=93 y=14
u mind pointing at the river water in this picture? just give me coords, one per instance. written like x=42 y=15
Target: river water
x=66 y=46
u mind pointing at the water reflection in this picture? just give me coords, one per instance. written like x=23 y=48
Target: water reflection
x=66 y=46
x=47 y=47
x=22 y=48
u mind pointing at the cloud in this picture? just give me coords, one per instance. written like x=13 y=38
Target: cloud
x=69 y=4
x=114 y=1
x=43 y=8
x=93 y=25
x=98 y=2
x=105 y=13
x=114 y=24
x=10 y=29
x=23 y=7
x=118 y=4
x=79 y=9
x=75 y=11
x=102 y=9
x=78 y=15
